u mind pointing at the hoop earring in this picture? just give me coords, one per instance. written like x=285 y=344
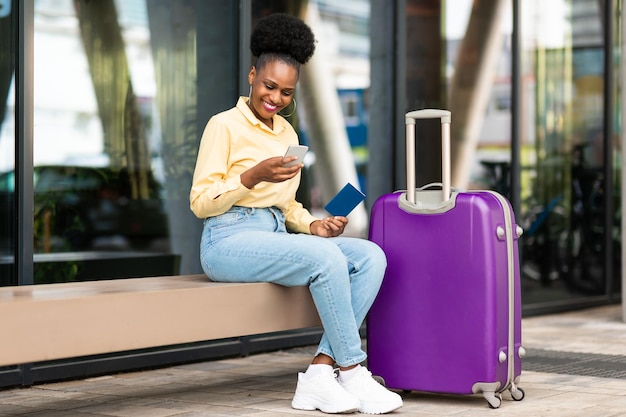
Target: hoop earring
x=295 y=106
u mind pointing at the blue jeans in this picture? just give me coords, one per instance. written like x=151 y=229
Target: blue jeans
x=343 y=274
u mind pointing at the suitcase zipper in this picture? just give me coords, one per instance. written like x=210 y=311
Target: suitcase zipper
x=508 y=225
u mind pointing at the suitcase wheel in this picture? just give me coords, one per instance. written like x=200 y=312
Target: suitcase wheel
x=493 y=400
x=518 y=394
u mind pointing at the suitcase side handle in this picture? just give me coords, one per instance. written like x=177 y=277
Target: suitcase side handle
x=446 y=119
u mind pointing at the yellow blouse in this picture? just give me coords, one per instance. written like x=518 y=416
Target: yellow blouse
x=232 y=142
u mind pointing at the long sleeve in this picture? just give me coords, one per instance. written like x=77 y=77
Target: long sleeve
x=215 y=189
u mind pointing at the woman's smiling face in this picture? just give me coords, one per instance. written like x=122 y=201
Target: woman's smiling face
x=272 y=90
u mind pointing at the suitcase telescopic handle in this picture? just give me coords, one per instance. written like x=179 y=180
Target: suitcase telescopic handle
x=446 y=119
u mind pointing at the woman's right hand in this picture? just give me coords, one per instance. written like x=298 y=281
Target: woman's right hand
x=270 y=170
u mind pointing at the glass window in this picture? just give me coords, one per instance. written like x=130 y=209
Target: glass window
x=114 y=137
x=331 y=112
x=617 y=146
x=7 y=144
x=563 y=142
x=561 y=126
x=478 y=79
x=119 y=105
x=349 y=105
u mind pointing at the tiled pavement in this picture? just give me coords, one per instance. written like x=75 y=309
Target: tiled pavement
x=576 y=366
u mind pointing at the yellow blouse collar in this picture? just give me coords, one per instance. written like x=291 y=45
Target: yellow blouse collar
x=279 y=121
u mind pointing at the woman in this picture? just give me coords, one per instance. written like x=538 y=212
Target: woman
x=255 y=230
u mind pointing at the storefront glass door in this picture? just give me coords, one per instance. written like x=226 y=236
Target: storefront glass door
x=564 y=167
x=567 y=198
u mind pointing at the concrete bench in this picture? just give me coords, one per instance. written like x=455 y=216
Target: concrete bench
x=56 y=321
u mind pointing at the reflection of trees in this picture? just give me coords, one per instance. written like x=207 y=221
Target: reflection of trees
x=7 y=63
x=173 y=41
x=124 y=138
x=471 y=85
x=176 y=56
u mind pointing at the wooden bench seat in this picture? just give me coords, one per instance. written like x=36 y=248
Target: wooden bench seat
x=55 y=321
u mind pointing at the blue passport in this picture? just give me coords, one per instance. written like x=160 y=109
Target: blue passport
x=344 y=201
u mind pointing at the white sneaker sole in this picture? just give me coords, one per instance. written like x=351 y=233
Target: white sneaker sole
x=309 y=403
x=379 y=408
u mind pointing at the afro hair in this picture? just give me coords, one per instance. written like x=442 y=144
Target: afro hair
x=283 y=34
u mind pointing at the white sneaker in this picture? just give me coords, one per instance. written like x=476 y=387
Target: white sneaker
x=374 y=398
x=323 y=392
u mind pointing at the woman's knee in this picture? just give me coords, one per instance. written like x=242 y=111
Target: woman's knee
x=370 y=256
x=328 y=255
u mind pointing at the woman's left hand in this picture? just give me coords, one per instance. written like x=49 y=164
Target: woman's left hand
x=329 y=227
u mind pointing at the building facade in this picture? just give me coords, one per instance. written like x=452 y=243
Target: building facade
x=102 y=104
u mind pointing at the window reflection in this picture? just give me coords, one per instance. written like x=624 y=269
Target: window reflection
x=7 y=145
x=100 y=183
x=561 y=128
x=562 y=179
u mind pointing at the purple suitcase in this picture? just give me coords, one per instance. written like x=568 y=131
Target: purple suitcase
x=448 y=316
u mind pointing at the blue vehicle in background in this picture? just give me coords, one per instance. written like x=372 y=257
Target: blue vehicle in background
x=354 y=103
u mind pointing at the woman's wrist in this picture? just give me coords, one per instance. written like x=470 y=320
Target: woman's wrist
x=313 y=226
x=247 y=179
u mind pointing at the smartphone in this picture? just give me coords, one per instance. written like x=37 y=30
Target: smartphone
x=296 y=150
